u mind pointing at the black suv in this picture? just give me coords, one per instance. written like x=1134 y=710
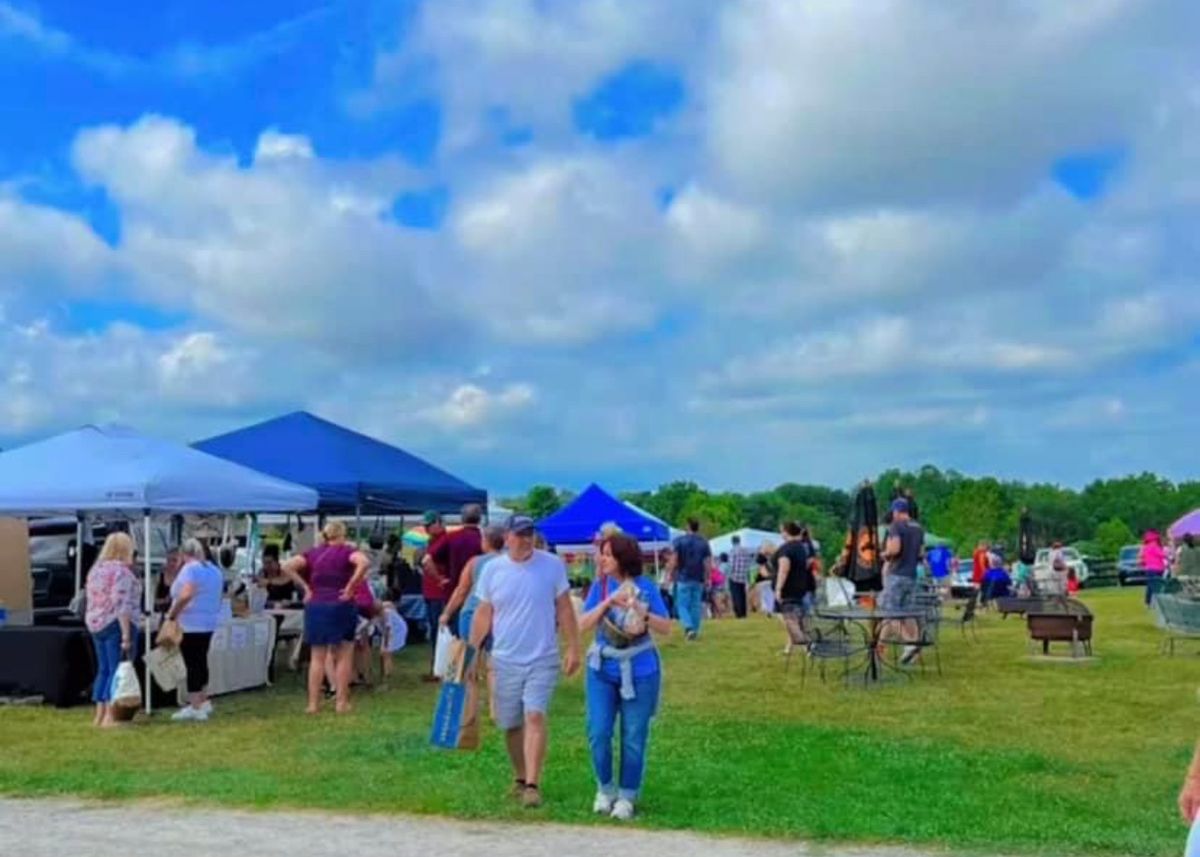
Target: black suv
x=52 y=559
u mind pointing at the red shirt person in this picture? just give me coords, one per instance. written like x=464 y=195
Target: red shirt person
x=979 y=564
x=454 y=552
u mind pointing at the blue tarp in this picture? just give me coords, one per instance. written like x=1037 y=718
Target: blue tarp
x=113 y=468
x=578 y=522
x=348 y=470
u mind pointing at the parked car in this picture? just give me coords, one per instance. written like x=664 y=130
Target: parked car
x=1044 y=567
x=52 y=558
x=1129 y=566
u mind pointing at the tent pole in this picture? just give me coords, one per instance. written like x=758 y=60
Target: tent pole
x=78 y=552
x=251 y=544
x=358 y=525
x=149 y=596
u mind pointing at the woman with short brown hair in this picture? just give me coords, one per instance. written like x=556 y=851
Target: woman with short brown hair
x=624 y=676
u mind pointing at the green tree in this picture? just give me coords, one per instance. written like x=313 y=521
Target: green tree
x=976 y=511
x=668 y=501
x=1111 y=536
x=541 y=501
x=717 y=513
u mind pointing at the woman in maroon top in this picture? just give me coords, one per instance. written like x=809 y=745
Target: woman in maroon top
x=328 y=576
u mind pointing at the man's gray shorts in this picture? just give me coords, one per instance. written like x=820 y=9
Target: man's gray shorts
x=523 y=689
x=899 y=593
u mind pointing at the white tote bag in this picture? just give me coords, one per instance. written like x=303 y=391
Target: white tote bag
x=127 y=690
x=441 y=655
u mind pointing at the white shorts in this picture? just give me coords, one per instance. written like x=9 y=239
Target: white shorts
x=523 y=689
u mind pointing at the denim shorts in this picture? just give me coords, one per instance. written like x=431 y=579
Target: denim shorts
x=899 y=593
x=522 y=689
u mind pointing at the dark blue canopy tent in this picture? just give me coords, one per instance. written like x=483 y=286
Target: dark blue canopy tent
x=578 y=522
x=351 y=473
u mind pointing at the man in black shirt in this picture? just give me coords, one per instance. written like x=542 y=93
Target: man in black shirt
x=795 y=584
x=794 y=581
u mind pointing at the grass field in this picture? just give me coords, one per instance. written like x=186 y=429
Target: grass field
x=999 y=755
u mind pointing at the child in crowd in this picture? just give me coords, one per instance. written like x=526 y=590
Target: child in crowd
x=1072 y=582
x=395 y=636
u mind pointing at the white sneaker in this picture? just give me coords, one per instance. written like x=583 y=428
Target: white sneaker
x=910 y=654
x=603 y=805
x=623 y=810
x=188 y=714
x=207 y=708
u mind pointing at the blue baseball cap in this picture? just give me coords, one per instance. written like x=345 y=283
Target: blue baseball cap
x=520 y=524
x=899 y=505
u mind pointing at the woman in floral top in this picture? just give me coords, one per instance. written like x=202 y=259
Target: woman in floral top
x=114 y=597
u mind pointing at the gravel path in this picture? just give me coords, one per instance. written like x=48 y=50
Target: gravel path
x=52 y=828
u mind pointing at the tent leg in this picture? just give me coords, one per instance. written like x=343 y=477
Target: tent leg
x=149 y=596
x=78 y=552
x=358 y=526
x=252 y=545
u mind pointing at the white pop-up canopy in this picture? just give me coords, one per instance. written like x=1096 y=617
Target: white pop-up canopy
x=97 y=469
x=752 y=540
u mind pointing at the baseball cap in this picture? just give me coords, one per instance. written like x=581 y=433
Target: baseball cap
x=899 y=505
x=432 y=518
x=520 y=524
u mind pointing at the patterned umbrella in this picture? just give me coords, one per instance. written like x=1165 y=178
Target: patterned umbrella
x=1189 y=523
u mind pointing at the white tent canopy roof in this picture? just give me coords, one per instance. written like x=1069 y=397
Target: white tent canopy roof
x=751 y=540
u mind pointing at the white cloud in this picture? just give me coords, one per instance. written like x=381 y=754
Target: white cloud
x=55 y=379
x=470 y=406
x=274 y=145
x=563 y=251
x=833 y=104
x=528 y=57
x=285 y=248
x=42 y=247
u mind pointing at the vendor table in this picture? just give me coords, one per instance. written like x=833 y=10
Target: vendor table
x=57 y=664
x=240 y=655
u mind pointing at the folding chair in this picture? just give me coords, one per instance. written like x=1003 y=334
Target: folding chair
x=820 y=640
x=968 y=616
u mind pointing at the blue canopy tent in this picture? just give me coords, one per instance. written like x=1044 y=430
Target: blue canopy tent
x=116 y=469
x=578 y=522
x=351 y=472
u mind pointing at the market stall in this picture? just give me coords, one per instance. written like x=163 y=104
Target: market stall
x=576 y=524
x=351 y=473
x=114 y=470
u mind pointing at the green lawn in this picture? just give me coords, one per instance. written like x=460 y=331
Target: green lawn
x=999 y=755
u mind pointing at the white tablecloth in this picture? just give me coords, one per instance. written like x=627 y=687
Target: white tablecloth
x=240 y=655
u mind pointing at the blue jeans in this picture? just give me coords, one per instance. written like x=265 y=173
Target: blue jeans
x=689 y=601
x=1154 y=585
x=107 y=642
x=604 y=703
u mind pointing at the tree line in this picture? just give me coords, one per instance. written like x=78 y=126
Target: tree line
x=1100 y=518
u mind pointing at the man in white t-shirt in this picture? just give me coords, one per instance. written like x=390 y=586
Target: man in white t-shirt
x=524 y=602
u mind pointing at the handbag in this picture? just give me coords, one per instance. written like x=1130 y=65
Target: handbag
x=441 y=654
x=126 y=689
x=456 y=718
x=167 y=667
x=169 y=635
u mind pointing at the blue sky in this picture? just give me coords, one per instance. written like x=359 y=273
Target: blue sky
x=540 y=240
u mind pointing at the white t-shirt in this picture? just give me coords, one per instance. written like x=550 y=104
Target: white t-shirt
x=523 y=595
x=397 y=630
x=203 y=612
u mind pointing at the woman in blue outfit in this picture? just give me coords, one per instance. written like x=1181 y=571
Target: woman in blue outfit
x=624 y=674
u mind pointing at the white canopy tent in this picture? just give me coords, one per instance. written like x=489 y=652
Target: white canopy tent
x=752 y=540
x=116 y=471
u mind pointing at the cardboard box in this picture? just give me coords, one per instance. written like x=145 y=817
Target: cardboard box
x=16 y=580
